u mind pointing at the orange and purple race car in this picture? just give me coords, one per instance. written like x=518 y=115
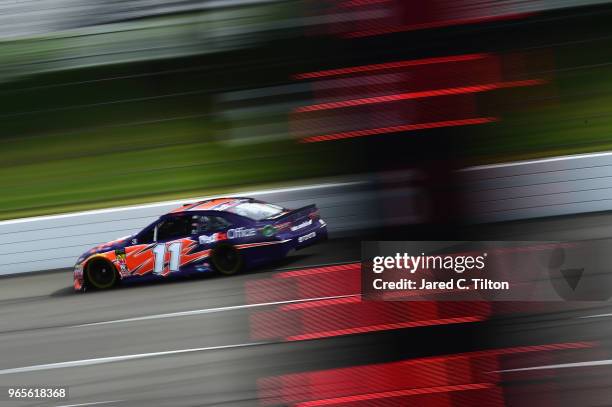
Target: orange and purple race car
x=224 y=235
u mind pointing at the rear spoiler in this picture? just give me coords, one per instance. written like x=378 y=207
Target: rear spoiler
x=308 y=209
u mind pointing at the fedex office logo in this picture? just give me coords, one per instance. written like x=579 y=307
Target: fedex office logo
x=231 y=234
x=215 y=237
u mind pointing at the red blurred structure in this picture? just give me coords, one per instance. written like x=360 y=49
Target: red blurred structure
x=336 y=307
x=325 y=302
x=465 y=379
x=401 y=96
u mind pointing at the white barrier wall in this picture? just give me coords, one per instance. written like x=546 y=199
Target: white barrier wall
x=497 y=193
x=540 y=188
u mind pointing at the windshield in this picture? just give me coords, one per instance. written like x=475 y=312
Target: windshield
x=256 y=210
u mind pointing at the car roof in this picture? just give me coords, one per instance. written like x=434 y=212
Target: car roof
x=217 y=204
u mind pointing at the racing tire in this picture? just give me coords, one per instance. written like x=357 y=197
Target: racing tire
x=101 y=274
x=227 y=260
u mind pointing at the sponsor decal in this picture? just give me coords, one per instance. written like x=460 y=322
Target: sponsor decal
x=215 y=237
x=306 y=237
x=241 y=232
x=231 y=234
x=78 y=271
x=268 y=231
x=302 y=225
x=202 y=267
x=121 y=261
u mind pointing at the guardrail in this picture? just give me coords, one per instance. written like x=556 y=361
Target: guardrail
x=541 y=188
x=496 y=193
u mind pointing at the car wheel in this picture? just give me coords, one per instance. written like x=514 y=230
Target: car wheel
x=101 y=274
x=226 y=260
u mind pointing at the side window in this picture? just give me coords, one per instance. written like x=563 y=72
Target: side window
x=173 y=228
x=212 y=224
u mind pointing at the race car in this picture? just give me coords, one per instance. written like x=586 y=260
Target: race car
x=224 y=235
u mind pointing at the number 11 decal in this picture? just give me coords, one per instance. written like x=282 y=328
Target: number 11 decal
x=159 y=253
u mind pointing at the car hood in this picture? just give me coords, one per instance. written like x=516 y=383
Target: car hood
x=105 y=247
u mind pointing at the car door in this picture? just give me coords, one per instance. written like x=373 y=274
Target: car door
x=170 y=236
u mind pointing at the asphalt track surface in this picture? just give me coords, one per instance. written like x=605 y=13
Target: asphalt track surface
x=40 y=317
x=127 y=347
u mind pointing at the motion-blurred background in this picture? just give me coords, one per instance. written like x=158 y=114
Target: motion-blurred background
x=445 y=119
x=106 y=103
